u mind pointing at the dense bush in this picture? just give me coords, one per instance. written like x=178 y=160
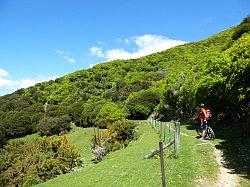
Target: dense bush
x=17 y=124
x=53 y=125
x=18 y=116
x=244 y=27
x=222 y=82
x=123 y=130
x=74 y=111
x=228 y=85
x=110 y=112
x=118 y=135
x=89 y=113
x=31 y=162
x=142 y=103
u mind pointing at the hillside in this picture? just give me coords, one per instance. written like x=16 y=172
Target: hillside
x=177 y=78
x=169 y=84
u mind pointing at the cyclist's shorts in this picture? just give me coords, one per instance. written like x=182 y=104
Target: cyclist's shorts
x=203 y=124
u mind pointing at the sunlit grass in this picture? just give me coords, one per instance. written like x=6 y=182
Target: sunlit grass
x=127 y=167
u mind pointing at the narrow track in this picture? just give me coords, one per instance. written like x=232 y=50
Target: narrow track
x=226 y=176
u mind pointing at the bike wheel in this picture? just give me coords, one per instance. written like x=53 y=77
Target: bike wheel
x=210 y=133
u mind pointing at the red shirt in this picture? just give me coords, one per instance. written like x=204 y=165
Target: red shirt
x=202 y=115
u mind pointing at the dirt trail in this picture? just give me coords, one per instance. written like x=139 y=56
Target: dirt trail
x=226 y=177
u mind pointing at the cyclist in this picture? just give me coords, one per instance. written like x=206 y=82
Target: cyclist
x=203 y=116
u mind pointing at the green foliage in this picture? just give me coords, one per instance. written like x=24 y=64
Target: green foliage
x=53 y=125
x=213 y=71
x=244 y=27
x=118 y=135
x=31 y=162
x=89 y=114
x=142 y=103
x=221 y=81
x=110 y=112
x=74 y=111
x=229 y=78
x=124 y=129
x=15 y=124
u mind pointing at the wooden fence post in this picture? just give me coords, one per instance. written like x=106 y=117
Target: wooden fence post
x=177 y=138
x=162 y=164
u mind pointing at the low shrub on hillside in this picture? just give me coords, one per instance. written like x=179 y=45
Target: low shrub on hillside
x=117 y=136
x=32 y=162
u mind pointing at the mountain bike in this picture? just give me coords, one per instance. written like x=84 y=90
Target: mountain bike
x=209 y=133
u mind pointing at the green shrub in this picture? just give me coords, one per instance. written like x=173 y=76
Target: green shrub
x=244 y=27
x=123 y=130
x=16 y=124
x=118 y=135
x=31 y=162
x=90 y=111
x=142 y=103
x=75 y=110
x=53 y=125
x=110 y=112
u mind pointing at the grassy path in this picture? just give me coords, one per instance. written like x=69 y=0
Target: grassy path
x=127 y=167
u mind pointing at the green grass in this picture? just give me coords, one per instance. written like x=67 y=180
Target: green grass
x=81 y=138
x=30 y=137
x=235 y=147
x=127 y=167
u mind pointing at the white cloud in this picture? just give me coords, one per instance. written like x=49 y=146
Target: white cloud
x=8 y=85
x=3 y=73
x=67 y=56
x=4 y=82
x=145 y=45
x=25 y=83
x=96 y=51
x=121 y=54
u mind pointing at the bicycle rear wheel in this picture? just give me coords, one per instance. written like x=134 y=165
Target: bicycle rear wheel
x=199 y=131
x=210 y=133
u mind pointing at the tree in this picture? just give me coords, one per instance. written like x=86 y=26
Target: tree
x=142 y=103
x=110 y=112
x=53 y=125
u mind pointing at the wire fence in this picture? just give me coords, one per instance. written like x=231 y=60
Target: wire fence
x=165 y=131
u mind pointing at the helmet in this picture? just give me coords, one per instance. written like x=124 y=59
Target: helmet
x=202 y=105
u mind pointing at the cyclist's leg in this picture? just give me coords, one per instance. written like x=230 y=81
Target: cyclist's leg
x=203 y=130
x=199 y=128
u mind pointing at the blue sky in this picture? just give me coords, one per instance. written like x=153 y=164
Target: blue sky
x=45 y=39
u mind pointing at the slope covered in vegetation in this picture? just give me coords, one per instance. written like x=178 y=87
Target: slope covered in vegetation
x=171 y=83
x=214 y=71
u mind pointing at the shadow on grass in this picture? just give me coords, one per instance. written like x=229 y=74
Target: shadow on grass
x=235 y=147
